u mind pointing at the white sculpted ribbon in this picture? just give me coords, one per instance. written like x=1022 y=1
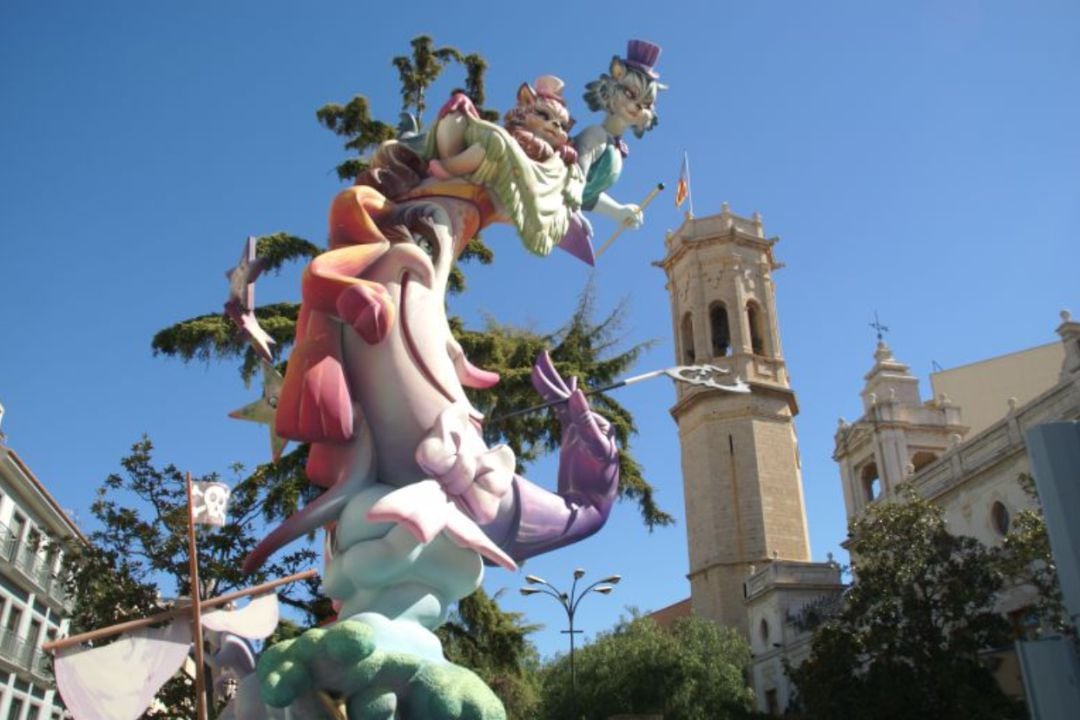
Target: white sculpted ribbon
x=255 y=621
x=469 y=482
x=119 y=681
x=425 y=510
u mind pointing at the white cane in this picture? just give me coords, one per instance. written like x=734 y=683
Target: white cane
x=644 y=203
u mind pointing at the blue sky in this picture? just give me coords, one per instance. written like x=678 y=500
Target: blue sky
x=920 y=159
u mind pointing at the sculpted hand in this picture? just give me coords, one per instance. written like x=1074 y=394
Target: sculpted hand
x=631 y=216
x=455 y=455
x=589 y=457
x=368 y=309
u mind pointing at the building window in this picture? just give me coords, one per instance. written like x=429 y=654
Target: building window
x=999 y=518
x=721 y=332
x=763 y=629
x=688 y=339
x=14 y=619
x=15 y=709
x=757 y=336
x=871 y=482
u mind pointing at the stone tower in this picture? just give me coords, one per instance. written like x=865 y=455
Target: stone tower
x=740 y=458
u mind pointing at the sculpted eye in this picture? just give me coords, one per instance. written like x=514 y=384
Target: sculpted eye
x=543 y=114
x=629 y=92
x=428 y=247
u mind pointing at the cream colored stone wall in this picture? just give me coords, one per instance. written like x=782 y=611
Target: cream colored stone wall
x=776 y=594
x=982 y=389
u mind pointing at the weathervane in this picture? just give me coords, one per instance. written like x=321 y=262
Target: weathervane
x=881 y=329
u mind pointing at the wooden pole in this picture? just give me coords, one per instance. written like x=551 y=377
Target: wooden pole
x=173 y=612
x=196 y=610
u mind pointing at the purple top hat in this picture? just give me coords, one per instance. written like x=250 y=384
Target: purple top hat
x=642 y=55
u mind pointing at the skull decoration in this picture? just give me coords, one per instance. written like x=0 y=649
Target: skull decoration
x=210 y=499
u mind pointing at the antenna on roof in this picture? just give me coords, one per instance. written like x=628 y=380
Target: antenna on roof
x=935 y=366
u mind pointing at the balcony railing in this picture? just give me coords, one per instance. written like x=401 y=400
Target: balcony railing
x=21 y=652
x=36 y=568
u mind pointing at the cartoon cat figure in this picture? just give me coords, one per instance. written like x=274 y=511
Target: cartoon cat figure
x=540 y=123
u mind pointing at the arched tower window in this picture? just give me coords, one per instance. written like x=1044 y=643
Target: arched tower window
x=999 y=518
x=688 y=339
x=721 y=332
x=871 y=482
x=757 y=336
x=921 y=459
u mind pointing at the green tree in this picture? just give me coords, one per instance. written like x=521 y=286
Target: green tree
x=693 y=671
x=1025 y=558
x=585 y=348
x=142 y=545
x=419 y=70
x=908 y=639
x=494 y=644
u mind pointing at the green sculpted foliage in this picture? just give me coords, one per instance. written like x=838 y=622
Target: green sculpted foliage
x=344 y=664
x=910 y=638
x=693 y=671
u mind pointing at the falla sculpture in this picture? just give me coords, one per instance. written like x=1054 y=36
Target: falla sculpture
x=415 y=502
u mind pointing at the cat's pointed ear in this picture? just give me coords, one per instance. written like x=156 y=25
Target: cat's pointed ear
x=525 y=95
x=618 y=68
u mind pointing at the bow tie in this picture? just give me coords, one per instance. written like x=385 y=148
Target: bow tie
x=620 y=145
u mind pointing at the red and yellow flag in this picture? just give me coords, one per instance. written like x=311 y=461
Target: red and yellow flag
x=682 y=190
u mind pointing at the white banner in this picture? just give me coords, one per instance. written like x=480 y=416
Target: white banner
x=255 y=621
x=119 y=681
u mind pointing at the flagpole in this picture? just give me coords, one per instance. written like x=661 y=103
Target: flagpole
x=196 y=610
x=689 y=185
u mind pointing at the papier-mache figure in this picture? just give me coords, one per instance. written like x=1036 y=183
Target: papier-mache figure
x=627 y=94
x=527 y=167
x=415 y=500
x=540 y=123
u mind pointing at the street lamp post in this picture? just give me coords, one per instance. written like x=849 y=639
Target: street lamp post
x=570 y=602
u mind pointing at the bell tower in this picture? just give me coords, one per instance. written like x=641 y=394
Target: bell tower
x=740 y=460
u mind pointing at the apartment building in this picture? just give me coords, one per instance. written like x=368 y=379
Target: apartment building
x=33 y=602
